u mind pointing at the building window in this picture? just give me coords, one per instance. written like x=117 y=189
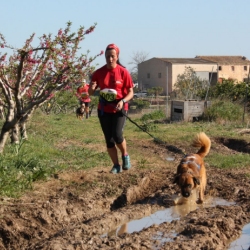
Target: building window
x=232 y=67
x=159 y=75
x=245 y=68
x=220 y=68
x=148 y=75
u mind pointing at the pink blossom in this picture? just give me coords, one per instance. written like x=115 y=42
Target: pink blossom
x=67 y=87
x=60 y=32
x=51 y=96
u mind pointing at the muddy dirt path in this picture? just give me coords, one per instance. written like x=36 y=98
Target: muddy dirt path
x=83 y=210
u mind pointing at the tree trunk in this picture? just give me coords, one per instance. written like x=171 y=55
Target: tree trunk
x=2 y=115
x=4 y=136
x=23 y=131
x=15 y=125
x=14 y=135
x=18 y=133
x=10 y=126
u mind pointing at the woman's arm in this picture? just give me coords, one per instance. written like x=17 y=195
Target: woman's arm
x=92 y=88
x=128 y=97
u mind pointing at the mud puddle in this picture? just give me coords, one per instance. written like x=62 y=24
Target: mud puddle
x=167 y=215
x=243 y=242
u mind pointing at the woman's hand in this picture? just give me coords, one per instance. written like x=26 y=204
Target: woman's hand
x=119 y=105
x=93 y=85
x=92 y=88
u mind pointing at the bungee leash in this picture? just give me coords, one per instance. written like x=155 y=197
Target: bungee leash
x=157 y=140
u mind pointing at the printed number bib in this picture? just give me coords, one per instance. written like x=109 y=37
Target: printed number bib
x=108 y=94
x=85 y=95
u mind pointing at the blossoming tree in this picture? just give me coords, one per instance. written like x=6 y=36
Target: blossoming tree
x=31 y=75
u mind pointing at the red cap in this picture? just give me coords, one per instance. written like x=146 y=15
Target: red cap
x=113 y=46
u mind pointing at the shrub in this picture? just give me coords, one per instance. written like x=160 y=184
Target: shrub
x=158 y=114
x=228 y=90
x=224 y=110
x=148 y=120
x=140 y=103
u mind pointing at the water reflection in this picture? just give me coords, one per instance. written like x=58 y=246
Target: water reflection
x=120 y=230
x=242 y=243
x=169 y=214
x=184 y=207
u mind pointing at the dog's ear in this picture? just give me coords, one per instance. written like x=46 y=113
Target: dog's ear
x=196 y=180
x=176 y=179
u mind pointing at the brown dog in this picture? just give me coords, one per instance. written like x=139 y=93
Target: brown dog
x=191 y=172
x=80 y=112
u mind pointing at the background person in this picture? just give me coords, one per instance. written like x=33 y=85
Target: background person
x=84 y=99
x=116 y=89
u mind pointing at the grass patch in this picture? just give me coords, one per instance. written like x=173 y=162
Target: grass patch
x=59 y=143
x=19 y=171
x=229 y=161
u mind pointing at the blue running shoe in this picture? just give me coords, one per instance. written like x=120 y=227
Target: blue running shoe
x=126 y=165
x=116 y=169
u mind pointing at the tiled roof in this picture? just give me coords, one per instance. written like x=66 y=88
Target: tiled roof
x=187 y=60
x=227 y=60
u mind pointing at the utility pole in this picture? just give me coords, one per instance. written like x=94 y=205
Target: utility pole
x=246 y=99
x=167 y=92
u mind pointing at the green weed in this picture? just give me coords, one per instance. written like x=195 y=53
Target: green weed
x=18 y=172
x=143 y=163
x=229 y=161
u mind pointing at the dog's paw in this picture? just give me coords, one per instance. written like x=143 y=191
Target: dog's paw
x=199 y=201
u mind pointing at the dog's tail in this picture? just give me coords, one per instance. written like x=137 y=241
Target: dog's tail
x=202 y=140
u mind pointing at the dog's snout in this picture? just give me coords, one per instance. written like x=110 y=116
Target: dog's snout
x=186 y=194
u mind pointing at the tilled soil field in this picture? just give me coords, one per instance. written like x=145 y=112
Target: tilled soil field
x=82 y=210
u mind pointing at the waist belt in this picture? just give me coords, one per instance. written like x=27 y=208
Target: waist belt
x=104 y=102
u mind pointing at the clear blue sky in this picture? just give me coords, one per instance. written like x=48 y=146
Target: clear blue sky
x=161 y=28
